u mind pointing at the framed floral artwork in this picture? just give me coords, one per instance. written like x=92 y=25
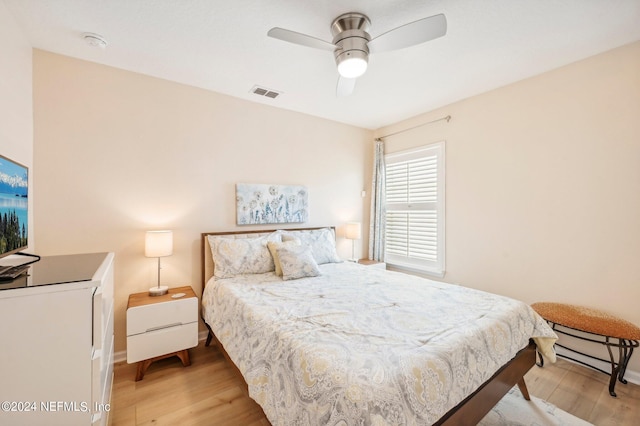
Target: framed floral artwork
x=258 y=204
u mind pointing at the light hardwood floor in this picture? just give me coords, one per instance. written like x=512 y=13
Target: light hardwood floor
x=209 y=393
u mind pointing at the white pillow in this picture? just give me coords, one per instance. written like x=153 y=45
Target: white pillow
x=297 y=262
x=321 y=241
x=233 y=256
x=274 y=246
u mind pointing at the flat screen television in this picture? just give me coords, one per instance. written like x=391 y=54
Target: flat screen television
x=14 y=210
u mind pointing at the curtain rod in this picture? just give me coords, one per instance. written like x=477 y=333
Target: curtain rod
x=447 y=118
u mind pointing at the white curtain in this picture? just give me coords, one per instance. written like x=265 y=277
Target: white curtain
x=376 y=228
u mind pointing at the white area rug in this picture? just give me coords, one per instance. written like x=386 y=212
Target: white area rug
x=514 y=410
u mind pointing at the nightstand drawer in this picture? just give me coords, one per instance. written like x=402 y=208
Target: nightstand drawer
x=147 y=318
x=161 y=341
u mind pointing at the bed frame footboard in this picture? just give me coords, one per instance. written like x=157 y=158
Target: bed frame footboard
x=478 y=404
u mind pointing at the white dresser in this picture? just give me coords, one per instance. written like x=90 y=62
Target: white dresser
x=56 y=338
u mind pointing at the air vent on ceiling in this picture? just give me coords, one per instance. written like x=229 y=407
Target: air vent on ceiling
x=263 y=91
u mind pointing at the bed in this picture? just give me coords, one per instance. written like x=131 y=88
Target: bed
x=337 y=343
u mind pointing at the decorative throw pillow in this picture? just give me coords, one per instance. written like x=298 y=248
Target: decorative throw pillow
x=233 y=257
x=321 y=241
x=274 y=246
x=297 y=262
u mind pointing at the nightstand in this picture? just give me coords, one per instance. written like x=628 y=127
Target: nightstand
x=372 y=263
x=160 y=327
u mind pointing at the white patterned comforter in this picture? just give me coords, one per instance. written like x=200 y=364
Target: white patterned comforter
x=363 y=346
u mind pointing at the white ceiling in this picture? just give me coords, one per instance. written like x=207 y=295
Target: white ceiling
x=221 y=45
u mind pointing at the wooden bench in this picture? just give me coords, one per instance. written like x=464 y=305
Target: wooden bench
x=606 y=327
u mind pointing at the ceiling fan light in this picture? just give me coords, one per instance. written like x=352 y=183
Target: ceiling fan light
x=352 y=67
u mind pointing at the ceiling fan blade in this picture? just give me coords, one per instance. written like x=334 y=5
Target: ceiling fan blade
x=410 y=34
x=345 y=86
x=299 y=38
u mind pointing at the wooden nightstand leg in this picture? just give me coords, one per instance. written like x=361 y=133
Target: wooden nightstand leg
x=184 y=357
x=143 y=365
x=142 y=368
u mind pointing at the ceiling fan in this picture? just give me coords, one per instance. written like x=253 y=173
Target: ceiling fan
x=352 y=43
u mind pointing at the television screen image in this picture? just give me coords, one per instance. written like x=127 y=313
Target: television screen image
x=14 y=190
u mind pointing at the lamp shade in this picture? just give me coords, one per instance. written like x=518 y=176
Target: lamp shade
x=158 y=244
x=353 y=231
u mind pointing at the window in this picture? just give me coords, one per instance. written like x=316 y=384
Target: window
x=414 y=236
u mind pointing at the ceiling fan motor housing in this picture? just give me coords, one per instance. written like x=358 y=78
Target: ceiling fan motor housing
x=351 y=37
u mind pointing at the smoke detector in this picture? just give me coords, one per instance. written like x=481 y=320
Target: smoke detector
x=95 y=40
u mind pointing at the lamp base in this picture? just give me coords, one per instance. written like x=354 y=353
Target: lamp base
x=158 y=290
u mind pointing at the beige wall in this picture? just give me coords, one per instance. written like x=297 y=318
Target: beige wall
x=543 y=185
x=16 y=105
x=119 y=153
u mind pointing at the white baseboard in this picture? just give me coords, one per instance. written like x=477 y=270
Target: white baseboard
x=630 y=376
x=202 y=335
x=121 y=356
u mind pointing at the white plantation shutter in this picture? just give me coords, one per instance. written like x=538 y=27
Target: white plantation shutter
x=414 y=235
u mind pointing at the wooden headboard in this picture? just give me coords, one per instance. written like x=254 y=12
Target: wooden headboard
x=207 y=260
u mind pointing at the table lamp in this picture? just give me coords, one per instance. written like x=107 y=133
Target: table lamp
x=158 y=244
x=353 y=232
